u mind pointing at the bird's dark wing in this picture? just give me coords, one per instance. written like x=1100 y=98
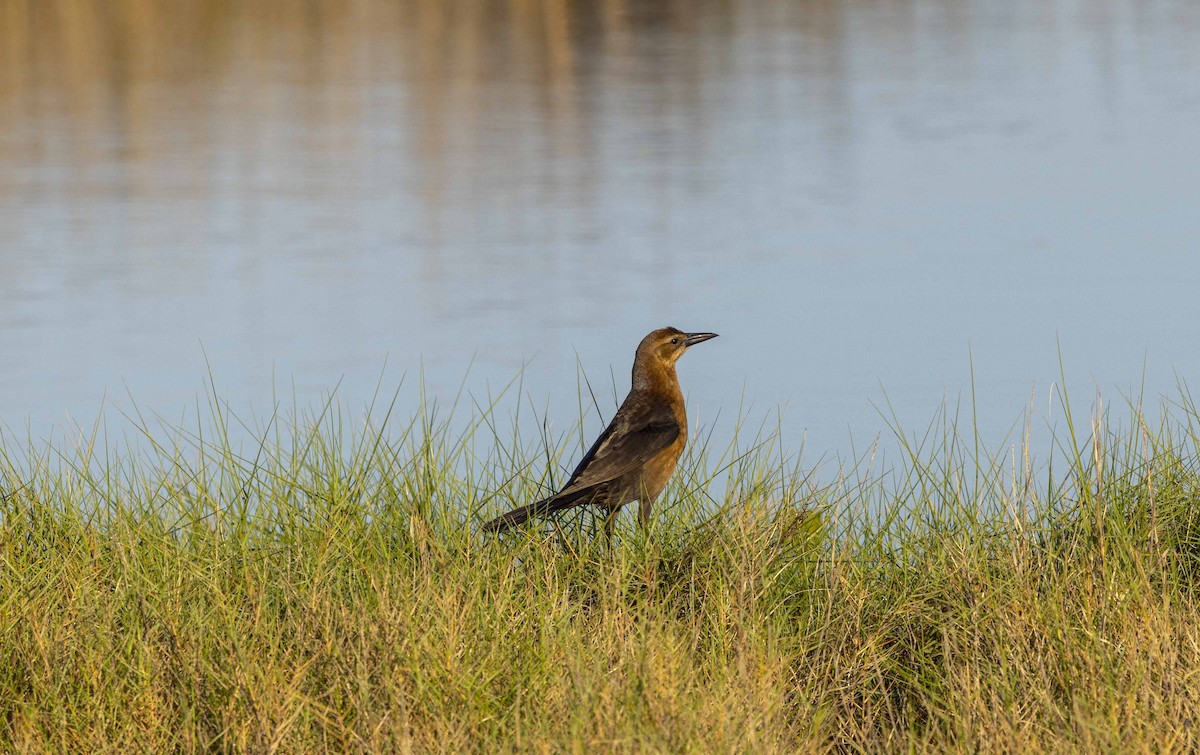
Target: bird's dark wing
x=639 y=431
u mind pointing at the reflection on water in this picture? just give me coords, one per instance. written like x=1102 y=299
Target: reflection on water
x=852 y=193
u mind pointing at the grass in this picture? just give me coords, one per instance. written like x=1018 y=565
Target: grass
x=323 y=588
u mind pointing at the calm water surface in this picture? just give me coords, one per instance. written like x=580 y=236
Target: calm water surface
x=863 y=198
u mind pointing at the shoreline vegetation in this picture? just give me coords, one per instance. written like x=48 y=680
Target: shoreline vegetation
x=326 y=589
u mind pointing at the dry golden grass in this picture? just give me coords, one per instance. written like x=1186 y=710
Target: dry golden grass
x=328 y=593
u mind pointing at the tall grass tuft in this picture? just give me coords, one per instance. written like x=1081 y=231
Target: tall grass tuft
x=310 y=583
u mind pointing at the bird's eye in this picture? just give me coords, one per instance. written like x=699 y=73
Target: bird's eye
x=675 y=341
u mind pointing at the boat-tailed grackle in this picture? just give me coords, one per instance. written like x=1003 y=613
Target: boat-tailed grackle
x=635 y=455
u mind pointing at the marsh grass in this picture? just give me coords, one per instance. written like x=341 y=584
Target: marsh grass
x=320 y=585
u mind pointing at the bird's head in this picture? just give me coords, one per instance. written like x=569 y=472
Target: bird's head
x=666 y=345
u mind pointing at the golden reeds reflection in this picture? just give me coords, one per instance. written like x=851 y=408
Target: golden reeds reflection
x=452 y=128
x=160 y=92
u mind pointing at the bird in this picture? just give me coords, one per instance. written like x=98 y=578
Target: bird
x=636 y=454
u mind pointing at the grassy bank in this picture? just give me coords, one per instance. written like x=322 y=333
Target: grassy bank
x=322 y=589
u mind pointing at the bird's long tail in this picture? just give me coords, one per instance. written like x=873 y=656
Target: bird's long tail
x=522 y=514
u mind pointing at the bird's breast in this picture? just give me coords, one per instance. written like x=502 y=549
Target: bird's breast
x=659 y=469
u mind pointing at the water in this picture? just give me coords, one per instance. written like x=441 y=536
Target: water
x=865 y=199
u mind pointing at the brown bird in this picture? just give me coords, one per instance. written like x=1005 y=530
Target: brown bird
x=635 y=455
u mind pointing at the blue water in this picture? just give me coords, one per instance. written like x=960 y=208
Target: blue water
x=864 y=199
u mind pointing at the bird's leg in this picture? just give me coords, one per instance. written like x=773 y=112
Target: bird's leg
x=610 y=524
x=644 y=504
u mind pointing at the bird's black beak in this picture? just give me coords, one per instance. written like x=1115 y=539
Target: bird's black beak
x=695 y=338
